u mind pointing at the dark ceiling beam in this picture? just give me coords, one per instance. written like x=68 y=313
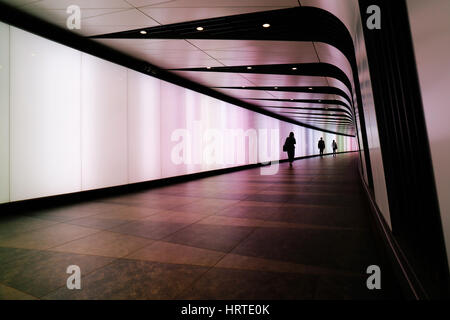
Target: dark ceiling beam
x=317 y=69
x=309 y=101
x=332 y=125
x=291 y=24
x=302 y=89
x=312 y=109
x=331 y=117
x=323 y=118
x=329 y=122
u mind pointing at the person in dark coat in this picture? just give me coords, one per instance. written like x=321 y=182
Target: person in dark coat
x=289 y=147
x=334 y=147
x=321 y=146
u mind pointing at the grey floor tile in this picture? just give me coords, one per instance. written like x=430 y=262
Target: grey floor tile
x=133 y=279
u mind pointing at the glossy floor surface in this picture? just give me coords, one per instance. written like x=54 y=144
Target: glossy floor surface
x=303 y=233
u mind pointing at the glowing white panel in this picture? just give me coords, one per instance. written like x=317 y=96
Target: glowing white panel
x=177 y=135
x=144 y=161
x=268 y=138
x=284 y=133
x=214 y=114
x=103 y=123
x=241 y=138
x=301 y=147
x=192 y=131
x=4 y=113
x=45 y=117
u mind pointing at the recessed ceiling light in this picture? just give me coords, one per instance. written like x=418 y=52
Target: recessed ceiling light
x=249 y=68
x=310 y=88
x=143 y=32
x=294 y=68
x=319 y=100
x=243 y=86
x=266 y=25
x=208 y=67
x=199 y=28
x=275 y=88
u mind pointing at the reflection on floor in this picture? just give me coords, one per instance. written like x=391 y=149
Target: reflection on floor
x=300 y=234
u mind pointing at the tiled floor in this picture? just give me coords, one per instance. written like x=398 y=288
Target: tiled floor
x=300 y=234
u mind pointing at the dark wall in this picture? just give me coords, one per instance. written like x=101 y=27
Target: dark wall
x=413 y=203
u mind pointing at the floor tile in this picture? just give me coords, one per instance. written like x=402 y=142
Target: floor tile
x=107 y=244
x=8 y=254
x=168 y=202
x=20 y=224
x=235 y=261
x=71 y=212
x=46 y=237
x=8 y=293
x=133 y=279
x=226 y=284
x=176 y=217
x=325 y=216
x=98 y=222
x=40 y=272
x=345 y=288
x=250 y=212
x=167 y=252
x=230 y=221
x=207 y=207
x=220 y=238
x=124 y=212
x=337 y=249
x=149 y=229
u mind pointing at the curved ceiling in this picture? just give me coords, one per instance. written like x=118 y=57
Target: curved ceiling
x=301 y=67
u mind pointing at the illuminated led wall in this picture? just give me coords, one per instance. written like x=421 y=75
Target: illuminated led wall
x=4 y=113
x=143 y=125
x=104 y=153
x=44 y=117
x=72 y=122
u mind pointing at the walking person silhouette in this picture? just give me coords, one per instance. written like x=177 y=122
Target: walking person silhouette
x=321 y=146
x=334 y=146
x=289 y=147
